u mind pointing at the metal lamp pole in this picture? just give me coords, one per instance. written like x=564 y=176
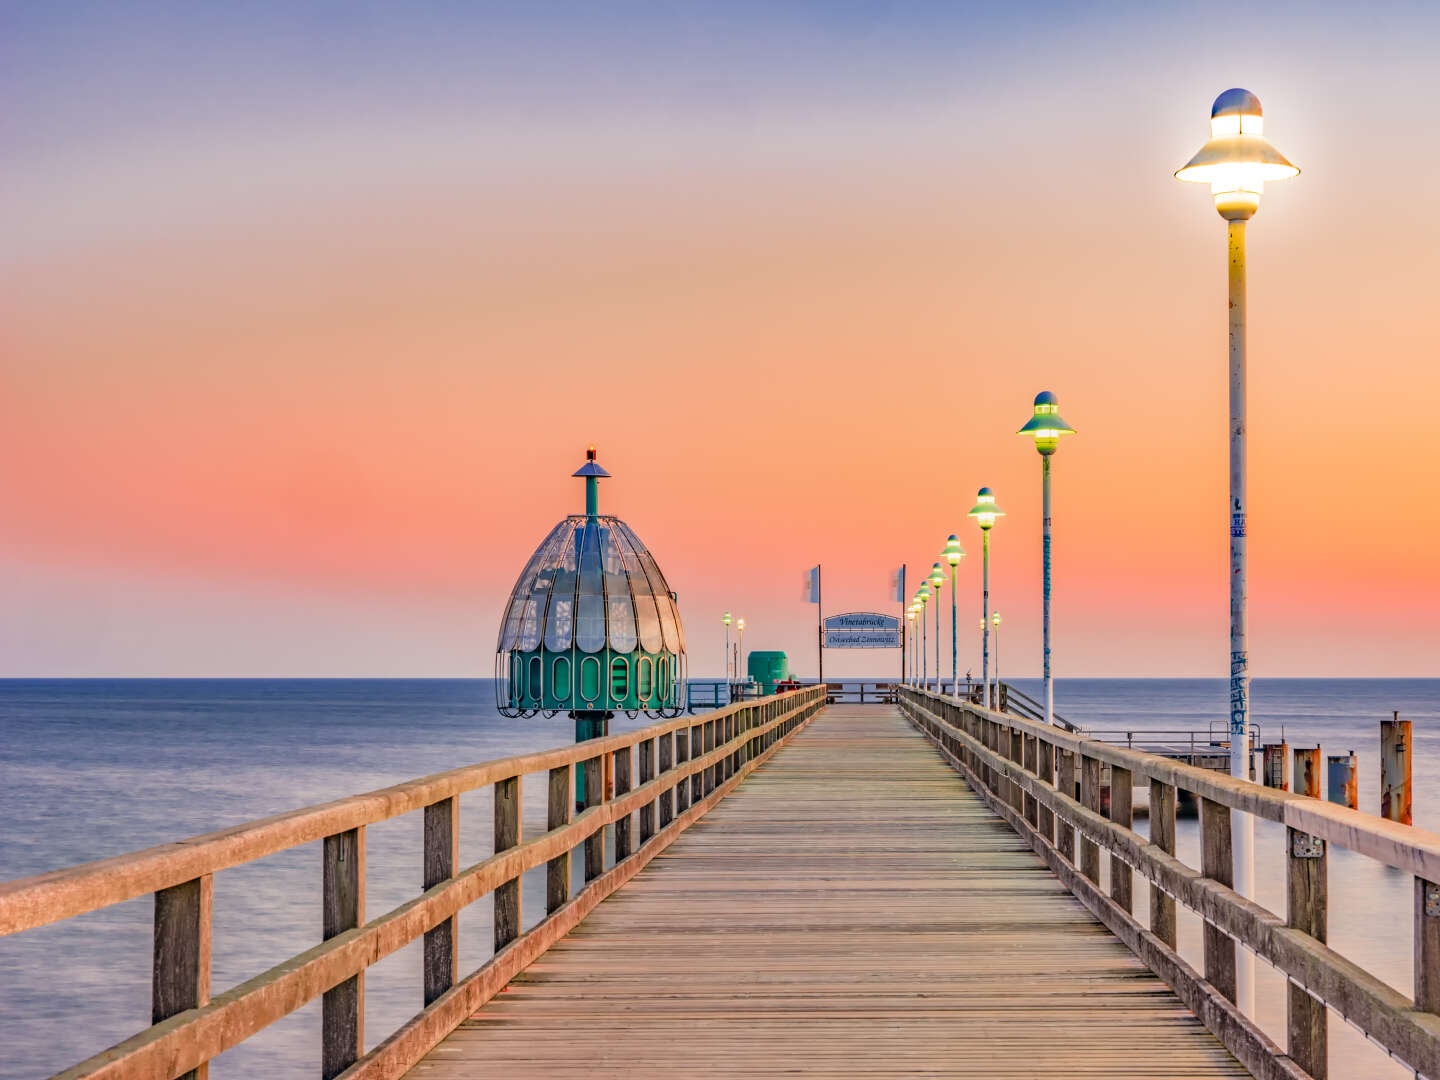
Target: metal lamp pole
x=1236 y=162
x=1046 y=427
x=937 y=579
x=726 y=621
x=996 y=620
x=953 y=554
x=985 y=512
x=924 y=596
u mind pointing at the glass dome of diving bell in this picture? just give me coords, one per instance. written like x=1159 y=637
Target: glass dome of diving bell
x=591 y=627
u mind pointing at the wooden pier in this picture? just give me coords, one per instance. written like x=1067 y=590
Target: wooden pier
x=781 y=886
x=854 y=909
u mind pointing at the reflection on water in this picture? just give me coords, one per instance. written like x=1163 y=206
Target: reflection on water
x=90 y=768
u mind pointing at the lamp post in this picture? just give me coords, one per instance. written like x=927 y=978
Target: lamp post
x=996 y=620
x=984 y=681
x=953 y=554
x=740 y=654
x=910 y=641
x=1236 y=162
x=726 y=621
x=924 y=597
x=1046 y=427
x=937 y=578
x=985 y=512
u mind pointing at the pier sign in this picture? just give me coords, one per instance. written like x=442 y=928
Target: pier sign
x=862 y=630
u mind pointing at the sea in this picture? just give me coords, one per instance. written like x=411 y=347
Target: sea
x=91 y=768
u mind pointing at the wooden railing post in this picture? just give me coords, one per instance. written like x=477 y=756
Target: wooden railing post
x=342 y=1010
x=440 y=964
x=708 y=744
x=1162 y=835
x=507 y=835
x=682 y=755
x=594 y=843
x=697 y=748
x=1090 y=799
x=1122 y=796
x=622 y=785
x=1427 y=946
x=181 y=971
x=1016 y=753
x=1045 y=770
x=1031 y=766
x=1217 y=863
x=667 y=793
x=1066 y=832
x=557 y=870
x=647 y=773
x=1306 y=910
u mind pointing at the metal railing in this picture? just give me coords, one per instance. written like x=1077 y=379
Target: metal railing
x=700 y=759
x=1046 y=783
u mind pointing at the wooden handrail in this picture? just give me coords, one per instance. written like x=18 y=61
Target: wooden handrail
x=191 y=1028
x=1018 y=785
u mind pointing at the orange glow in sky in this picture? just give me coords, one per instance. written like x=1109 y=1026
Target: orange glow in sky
x=286 y=393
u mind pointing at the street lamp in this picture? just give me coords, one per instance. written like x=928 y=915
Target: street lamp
x=726 y=621
x=1236 y=162
x=1046 y=427
x=953 y=554
x=910 y=640
x=985 y=512
x=937 y=578
x=740 y=653
x=924 y=597
x=996 y=620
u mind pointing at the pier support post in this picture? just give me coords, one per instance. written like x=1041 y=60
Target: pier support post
x=1162 y=835
x=1090 y=799
x=1122 y=796
x=1307 y=1020
x=1066 y=842
x=441 y=952
x=557 y=870
x=1427 y=945
x=1045 y=770
x=1307 y=771
x=1395 y=748
x=181 y=972
x=342 y=1010
x=1218 y=864
x=623 y=825
x=1277 y=765
x=1343 y=780
x=647 y=773
x=507 y=835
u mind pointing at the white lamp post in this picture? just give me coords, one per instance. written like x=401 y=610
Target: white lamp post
x=985 y=512
x=1046 y=427
x=1236 y=162
x=953 y=554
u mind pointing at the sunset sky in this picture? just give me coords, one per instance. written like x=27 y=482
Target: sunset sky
x=308 y=311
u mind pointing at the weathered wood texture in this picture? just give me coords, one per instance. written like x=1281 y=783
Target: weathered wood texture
x=852 y=910
x=181 y=976
x=442 y=859
x=1307 y=908
x=342 y=1012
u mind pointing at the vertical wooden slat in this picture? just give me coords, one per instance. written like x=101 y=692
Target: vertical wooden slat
x=557 y=870
x=441 y=953
x=707 y=745
x=682 y=755
x=1045 y=770
x=1306 y=908
x=181 y=971
x=1066 y=842
x=1090 y=799
x=1122 y=797
x=1162 y=835
x=1427 y=946
x=342 y=1011
x=697 y=748
x=1217 y=863
x=507 y=835
x=1016 y=753
x=595 y=842
x=667 y=796
x=622 y=785
x=647 y=773
x=1031 y=804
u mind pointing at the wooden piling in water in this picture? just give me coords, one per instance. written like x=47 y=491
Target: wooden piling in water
x=1342 y=781
x=1277 y=765
x=1307 y=771
x=1395 y=748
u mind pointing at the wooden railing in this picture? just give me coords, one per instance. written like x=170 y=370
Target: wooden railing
x=1046 y=783
x=700 y=759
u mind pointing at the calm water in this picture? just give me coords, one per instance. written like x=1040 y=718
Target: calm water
x=90 y=768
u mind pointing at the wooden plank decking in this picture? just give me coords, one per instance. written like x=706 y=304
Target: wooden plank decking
x=852 y=909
